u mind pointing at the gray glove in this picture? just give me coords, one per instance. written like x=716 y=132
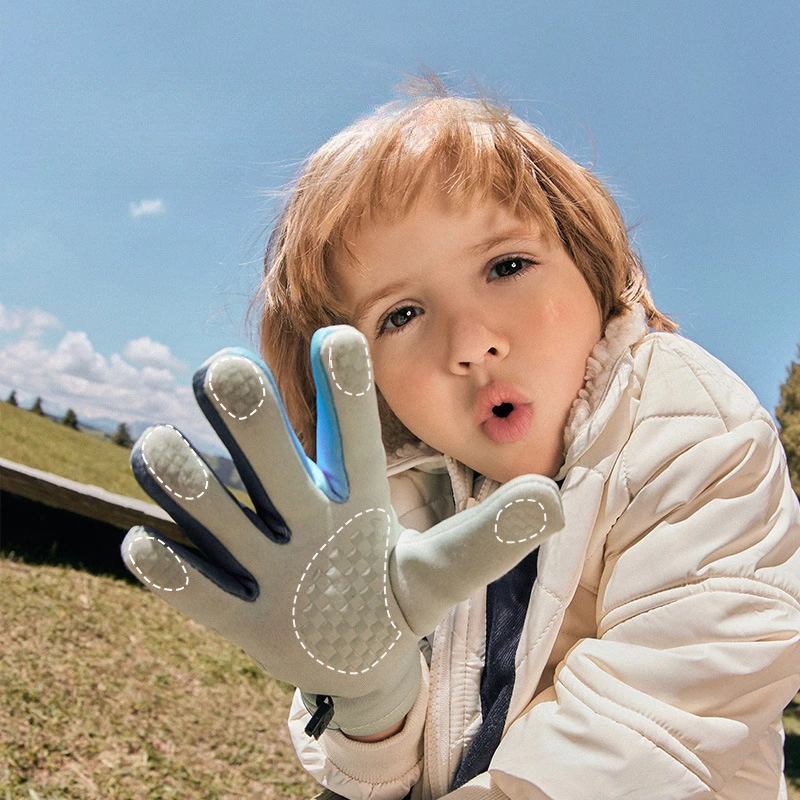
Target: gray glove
x=322 y=586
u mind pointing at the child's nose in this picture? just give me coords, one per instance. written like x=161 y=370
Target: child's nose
x=473 y=343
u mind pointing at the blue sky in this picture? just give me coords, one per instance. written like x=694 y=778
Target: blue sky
x=139 y=143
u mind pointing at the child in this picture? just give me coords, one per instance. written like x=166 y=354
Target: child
x=647 y=649
x=659 y=646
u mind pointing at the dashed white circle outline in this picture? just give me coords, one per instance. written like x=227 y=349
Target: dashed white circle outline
x=385 y=596
x=342 y=389
x=219 y=401
x=144 y=577
x=527 y=538
x=152 y=471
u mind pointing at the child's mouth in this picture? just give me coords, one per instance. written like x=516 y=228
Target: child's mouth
x=504 y=414
x=508 y=423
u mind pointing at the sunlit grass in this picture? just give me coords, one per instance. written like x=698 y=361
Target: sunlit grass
x=84 y=457
x=791 y=722
x=109 y=693
x=46 y=445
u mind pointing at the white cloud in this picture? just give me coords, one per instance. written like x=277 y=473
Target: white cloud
x=74 y=375
x=147 y=208
x=145 y=352
x=75 y=356
x=39 y=321
x=32 y=321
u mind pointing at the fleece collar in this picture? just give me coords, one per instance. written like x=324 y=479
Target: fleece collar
x=621 y=334
x=586 y=418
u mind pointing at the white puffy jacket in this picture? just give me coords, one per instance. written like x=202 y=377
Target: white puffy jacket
x=661 y=640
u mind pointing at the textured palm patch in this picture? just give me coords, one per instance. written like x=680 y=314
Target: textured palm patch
x=347 y=580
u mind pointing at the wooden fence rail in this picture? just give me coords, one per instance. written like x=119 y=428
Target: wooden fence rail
x=81 y=498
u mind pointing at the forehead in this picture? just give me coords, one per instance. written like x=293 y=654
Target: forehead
x=436 y=222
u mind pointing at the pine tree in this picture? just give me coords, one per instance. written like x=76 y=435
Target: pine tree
x=788 y=416
x=36 y=408
x=12 y=398
x=70 y=419
x=122 y=437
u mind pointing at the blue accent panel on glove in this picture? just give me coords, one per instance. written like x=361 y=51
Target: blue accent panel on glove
x=329 y=439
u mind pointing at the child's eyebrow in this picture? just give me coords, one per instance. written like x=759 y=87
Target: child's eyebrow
x=524 y=231
x=370 y=300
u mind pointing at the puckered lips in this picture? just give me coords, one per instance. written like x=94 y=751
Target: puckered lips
x=503 y=413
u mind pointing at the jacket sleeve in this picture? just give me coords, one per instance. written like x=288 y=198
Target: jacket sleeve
x=359 y=770
x=698 y=618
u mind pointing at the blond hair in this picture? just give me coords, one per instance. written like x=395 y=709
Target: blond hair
x=473 y=150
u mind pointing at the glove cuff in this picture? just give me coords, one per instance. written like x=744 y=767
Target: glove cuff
x=377 y=711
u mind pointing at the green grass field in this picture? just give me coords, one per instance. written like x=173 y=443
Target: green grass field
x=107 y=692
x=85 y=457
x=43 y=444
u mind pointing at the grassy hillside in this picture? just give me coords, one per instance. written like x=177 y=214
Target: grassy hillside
x=41 y=443
x=81 y=456
x=108 y=692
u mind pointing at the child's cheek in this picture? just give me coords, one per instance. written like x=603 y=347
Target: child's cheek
x=407 y=389
x=554 y=310
x=395 y=382
x=564 y=311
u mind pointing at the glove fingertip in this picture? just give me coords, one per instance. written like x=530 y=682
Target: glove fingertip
x=151 y=559
x=544 y=492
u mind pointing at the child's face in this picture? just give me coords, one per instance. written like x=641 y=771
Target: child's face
x=480 y=332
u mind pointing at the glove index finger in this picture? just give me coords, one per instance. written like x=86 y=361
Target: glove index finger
x=350 y=449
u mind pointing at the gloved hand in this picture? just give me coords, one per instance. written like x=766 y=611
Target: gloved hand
x=322 y=586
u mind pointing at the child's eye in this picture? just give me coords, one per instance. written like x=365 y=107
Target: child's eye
x=398 y=318
x=511 y=267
